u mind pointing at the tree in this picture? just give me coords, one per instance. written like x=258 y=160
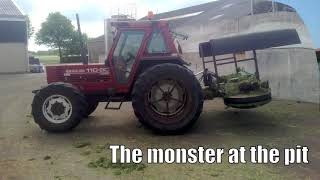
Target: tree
x=73 y=46
x=55 y=32
x=30 y=28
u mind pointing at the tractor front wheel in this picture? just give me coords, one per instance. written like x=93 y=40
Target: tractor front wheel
x=92 y=106
x=59 y=107
x=167 y=98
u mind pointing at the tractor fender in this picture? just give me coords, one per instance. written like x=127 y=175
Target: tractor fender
x=56 y=84
x=149 y=62
x=164 y=59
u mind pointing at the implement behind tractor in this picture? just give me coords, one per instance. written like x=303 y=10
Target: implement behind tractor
x=241 y=89
x=144 y=67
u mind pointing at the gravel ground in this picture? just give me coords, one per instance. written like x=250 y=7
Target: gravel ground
x=26 y=152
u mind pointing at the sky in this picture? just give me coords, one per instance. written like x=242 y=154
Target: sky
x=93 y=12
x=309 y=11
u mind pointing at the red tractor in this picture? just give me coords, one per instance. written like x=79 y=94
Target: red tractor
x=144 y=67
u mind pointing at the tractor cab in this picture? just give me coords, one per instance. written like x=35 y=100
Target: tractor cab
x=134 y=43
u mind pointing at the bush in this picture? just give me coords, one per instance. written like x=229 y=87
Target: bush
x=71 y=59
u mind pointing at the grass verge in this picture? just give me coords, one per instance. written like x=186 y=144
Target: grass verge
x=48 y=60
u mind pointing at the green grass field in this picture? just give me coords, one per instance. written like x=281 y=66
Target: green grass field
x=47 y=60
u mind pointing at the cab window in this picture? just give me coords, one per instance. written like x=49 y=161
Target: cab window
x=125 y=53
x=157 y=44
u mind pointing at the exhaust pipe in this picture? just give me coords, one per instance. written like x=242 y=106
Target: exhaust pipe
x=83 y=53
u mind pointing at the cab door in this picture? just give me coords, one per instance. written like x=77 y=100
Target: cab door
x=125 y=55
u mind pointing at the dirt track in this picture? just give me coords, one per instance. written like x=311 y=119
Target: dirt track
x=26 y=152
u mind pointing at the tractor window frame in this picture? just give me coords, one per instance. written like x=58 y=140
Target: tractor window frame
x=160 y=33
x=120 y=53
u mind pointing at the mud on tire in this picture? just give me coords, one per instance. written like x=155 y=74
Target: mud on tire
x=178 y=95
x=59 y=107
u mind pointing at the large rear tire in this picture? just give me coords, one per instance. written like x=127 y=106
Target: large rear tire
x=59 y=107
x=167 y=98
x=141 y=121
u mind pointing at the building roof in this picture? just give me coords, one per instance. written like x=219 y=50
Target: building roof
x=218 y=10
x=8 y=8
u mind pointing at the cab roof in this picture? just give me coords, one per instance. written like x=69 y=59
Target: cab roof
x=139 y=24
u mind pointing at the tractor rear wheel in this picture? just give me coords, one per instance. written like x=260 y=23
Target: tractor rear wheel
x=142 y=122
x=59 y=107
x=167 y=98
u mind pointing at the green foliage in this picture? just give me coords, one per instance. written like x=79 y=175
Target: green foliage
x=55 y=32
x=71 y=59
x=59 y=33
x=119 y=168
x=73 y=47
x=50 y=52
x=48 y=60
x=235 y=84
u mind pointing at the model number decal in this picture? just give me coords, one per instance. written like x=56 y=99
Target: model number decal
x=103 y=71
x=97 y=70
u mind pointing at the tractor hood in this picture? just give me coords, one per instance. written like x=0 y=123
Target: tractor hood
x=76 y=73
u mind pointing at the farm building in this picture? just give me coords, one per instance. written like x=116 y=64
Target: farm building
x=292 y=70
x=13 y=38
x=96 y=49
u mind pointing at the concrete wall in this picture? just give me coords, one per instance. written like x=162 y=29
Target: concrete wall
x=228 y=27
x=292 y=71
x=13 y=58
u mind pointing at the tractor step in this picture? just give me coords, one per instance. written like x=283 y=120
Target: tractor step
x=114 y=99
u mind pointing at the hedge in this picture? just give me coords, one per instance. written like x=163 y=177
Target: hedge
x=71 y=59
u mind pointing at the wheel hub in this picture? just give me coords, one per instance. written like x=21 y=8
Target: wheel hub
x=167 y=98
x=57 y=109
